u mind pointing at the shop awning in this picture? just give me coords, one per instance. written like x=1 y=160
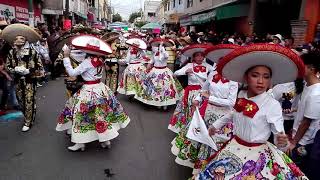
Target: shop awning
x=238 y=10
x=52 y=12
x=81 y=15
x=185 y=20
x=204 y=17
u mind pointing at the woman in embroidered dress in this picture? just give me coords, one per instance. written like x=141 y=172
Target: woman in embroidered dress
x=134 y=73
x=159 y=88
x=217 y=97
x=256 y=114
x=93 y=113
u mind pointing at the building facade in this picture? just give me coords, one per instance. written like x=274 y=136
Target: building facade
x=150 y=10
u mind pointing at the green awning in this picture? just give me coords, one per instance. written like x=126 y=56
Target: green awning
x=204 y=17
x=238 y=10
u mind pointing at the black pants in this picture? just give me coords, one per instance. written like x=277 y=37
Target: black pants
x=314 y=162
x=5 y=92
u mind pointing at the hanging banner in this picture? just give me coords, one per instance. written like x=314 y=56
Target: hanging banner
x=67 y=24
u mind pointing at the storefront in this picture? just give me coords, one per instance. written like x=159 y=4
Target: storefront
x=185 y=22
x=204 y=21
x=17 y=9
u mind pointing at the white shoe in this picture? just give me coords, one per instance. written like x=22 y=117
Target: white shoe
x=25 y=128
x=77 y=147
x=106 y=144
x=165 y=108
x=69 y=131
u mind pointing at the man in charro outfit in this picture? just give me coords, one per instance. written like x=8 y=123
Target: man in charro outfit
x=24 y=63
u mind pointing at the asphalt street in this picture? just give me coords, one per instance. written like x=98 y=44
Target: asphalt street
x=141 y=152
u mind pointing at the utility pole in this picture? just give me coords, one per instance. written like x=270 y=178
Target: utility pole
x=31 y=13
x=98 y=10
x=66 y=12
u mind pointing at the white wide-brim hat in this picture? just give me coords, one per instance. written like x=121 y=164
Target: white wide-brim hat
x=285 y=65
x=194 y=48
x=216 y=52
x=166 y=42
x=10 y=33
x=91 y=45
x=138 y=43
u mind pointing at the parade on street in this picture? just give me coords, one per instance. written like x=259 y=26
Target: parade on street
x=159 y=89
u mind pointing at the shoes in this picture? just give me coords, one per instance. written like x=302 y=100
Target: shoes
x=106 y=144
x=77 y=147
x=39 y=85
x=25 y=128
x=69 y=132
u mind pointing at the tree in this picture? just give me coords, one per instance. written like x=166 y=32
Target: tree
x=116 y=17
x=134 y=15
x=140 y=24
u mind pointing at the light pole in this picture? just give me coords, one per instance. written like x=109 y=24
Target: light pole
x=31 y=13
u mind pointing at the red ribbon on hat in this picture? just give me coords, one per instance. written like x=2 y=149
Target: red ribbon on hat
x=92 y=46
x=247 y=107
x=96 y=62
x=216 y=78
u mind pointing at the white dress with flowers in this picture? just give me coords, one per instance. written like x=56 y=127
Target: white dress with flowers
x=248 y=155
x=93 y=113
x=160 y=88
x=196 y=80
x=134 y=74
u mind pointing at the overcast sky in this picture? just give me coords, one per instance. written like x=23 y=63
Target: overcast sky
x=126 y=7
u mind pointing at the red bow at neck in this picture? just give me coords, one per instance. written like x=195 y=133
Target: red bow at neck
x=199 y=68
x=96 y=62
x=157 y=53
x=134 y=51
x=247 y=107
x=216 y=78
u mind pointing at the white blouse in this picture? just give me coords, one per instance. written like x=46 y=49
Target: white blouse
x=221 y=94
x=161 y=59
x=257 y=129
x=85 y=69
x=134 y=58
x=195 y=78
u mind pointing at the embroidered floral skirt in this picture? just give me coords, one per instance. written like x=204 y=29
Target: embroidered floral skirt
x=159 y=88
x=93 y=113
x=132 y=79
x=213 y=113
x=191 y=153
x=181 y=115
x=239 y=160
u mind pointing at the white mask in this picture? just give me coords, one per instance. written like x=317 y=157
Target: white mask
x=78 y=55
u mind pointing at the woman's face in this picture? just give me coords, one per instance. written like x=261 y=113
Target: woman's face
x=258 y=80
x=198 y=58
x=275 y=40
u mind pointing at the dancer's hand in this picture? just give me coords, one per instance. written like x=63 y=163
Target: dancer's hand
x=189 y=71
x=205 y=94
x=212 y=130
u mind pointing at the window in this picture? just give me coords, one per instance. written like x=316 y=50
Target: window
x=174 y=3
x=189 y=3
x=151 y=14
x=179 y=1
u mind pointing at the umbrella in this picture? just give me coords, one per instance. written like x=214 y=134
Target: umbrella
x=151 y=26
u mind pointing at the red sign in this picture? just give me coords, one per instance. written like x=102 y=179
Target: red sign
x=19 y=9
x=67 y=24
